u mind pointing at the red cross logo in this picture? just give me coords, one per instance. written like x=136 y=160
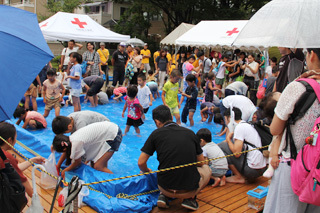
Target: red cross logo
x=232 y=31
x=78 y=22
x=44 y=25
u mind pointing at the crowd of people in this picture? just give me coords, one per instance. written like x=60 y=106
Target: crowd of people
x=236 y=91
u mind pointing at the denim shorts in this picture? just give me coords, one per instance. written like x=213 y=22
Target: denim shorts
x=218 y=172
x=116 y=142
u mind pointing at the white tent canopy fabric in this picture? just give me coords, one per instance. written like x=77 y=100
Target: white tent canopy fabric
x=66 y=26
x=284 y=23
x=176 y=33
x=212 y=34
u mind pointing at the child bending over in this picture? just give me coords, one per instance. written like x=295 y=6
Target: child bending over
x=191 y=105
x=92 y=141
x=51 y=93
x=135 y=110
x=211 y=150
x=117 y=92
x=31 y=119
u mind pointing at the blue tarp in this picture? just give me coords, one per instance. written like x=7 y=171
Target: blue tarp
x=123 y=163
x=23 y=53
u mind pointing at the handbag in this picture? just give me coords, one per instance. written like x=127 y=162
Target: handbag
x=12 y=193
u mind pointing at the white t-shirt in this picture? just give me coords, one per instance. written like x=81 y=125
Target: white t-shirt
x=84 y=118
x=304 y=125
x=66 y=52
x=245 y=131
x=238 y=87
x=144 y=96
x=207 y=65
x=221 y=70
x=212 y=150
x=249 y=73
x=269 y=70
x=91 y=140
x=243 y=103
x=103 y=97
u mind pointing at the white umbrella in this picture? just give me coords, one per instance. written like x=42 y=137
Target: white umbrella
x=135 y=42
x=284 y=23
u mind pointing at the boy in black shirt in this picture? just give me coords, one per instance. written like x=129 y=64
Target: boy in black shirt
x=191 y=93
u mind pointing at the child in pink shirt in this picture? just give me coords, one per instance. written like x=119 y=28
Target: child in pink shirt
x=117 y=92
x=135 y=110
x=31 y=119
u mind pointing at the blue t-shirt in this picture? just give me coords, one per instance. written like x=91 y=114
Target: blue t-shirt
x=75 y=71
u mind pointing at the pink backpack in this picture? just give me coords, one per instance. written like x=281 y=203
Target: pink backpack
x=305 y=168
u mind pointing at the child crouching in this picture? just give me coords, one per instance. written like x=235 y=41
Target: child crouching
x=211 y=150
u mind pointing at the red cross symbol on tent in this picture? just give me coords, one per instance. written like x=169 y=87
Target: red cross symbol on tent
x=78 y=22
x=232 y=31
x=44 y=25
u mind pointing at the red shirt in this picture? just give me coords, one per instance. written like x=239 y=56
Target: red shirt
x=14 y=163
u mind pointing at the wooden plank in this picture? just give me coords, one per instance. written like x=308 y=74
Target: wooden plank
x=46 y=195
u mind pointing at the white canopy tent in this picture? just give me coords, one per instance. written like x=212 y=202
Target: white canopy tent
x=66 y=26
x=176 y=33
x=214 y=34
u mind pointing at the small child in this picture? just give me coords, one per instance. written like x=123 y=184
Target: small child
x=153 y=86
x=31 y=119
x=170 y=94
x=151 y=76
x=75 y=121
x=144 y=95
x=51 y=93
x=218 y=119
x=92 y=141
x=211 y=150
x=32 y=93
x=191 y=105
x=74 y=73
x=117 y=92
x=210 y=88
x=102 y=98
x=135 y=110
x=206 y=111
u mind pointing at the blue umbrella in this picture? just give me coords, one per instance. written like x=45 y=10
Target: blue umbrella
x=23 y=54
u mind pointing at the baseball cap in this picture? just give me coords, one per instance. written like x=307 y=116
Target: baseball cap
x=166 y=48
x=122 y=44
x=102 y=44
x=145 y=44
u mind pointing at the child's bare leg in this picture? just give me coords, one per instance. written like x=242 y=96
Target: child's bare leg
x=95 y=100
x=57 y=111
x=191 y=118
x=91 y=100
x=223 y=181
x=126 y=130
x=34 y=103
x=76 y=104
x=101 y=163
x=216 y=181
x=137 y=130
x=27 y=102
x=177 y=116
x=46 y=113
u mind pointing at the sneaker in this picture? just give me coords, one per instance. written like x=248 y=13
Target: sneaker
x=190 y=203
x=163 y=202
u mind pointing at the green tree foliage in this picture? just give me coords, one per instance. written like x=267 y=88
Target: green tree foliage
x=188 y=11
x=136 y=19
x=63 y=6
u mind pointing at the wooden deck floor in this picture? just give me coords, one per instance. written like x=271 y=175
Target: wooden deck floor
x=229 y=198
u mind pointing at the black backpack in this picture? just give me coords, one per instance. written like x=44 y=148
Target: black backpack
x=12 y=192
x=264 y=133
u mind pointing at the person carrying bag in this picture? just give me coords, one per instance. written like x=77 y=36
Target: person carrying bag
x=12 y=193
